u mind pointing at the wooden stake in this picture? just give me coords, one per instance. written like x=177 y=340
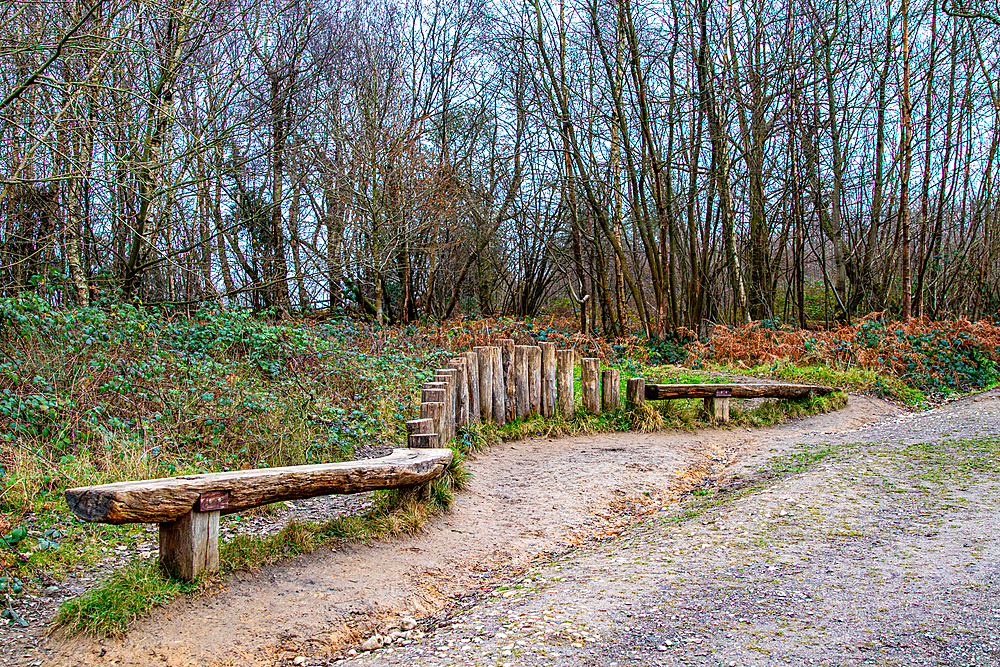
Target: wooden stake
x=565 y=392
x=472 y=368
x=590 y=384
x=435 y=411
x=461 y=390
x=535 y=379
x=635 y=393
x=433 y=392
x=521 y=380
x=485 y=383
x=190 y=545
x=499 y=389
x=548 y=378
x=424 y=441
x=509 y=384
x=420 y=427
x=448 y=375
x=611 y=388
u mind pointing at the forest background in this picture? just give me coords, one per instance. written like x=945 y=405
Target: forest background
x=646 y=165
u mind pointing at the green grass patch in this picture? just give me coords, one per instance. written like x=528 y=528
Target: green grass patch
x=773 y=471
x=667 y=374
x=953 y=459
x=771 y=413
x=856 y=379
x=128 y=594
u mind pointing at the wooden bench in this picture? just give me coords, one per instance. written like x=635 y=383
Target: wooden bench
x=717 y=396
x=188 y=507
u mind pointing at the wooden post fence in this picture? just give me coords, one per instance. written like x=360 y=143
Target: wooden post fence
x=448 y=375
x=590 y=381
x=434 y=411
x=565 y=361
x=420 y=434
x=433 y=393
x=485 y=383
x=461 y=390
x=534 y=379
x=548 y=378
x=611 y=389
x=472 y=368
x=635 y=393
x=521 y=380
x=499 y=389
x=507 y=351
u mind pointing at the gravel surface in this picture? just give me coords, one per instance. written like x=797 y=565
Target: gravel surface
x=880 y=552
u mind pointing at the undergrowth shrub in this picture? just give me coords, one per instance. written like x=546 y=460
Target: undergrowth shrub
x=936 y=357
x=91 y=396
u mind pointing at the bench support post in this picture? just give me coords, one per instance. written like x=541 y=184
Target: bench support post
x=635 y=393
x=718 y=409
x=190 y=545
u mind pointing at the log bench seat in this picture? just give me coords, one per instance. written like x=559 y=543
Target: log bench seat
x=187 y=508
x=717 y=396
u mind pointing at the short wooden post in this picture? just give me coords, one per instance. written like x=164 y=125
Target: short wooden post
x=461 y=390
x=420 y=427
x=521 y=379
x=718 y=406
x=433 y=392
x=635 y=393
x=485 y=383
x=472 y=368
x=434 y=410
x=507 y=359
x=611 y=389
x=535 y=379
x=424 y=441
x=190 y=545
x=590 y=384
x=446 y=412
x=548 y=378
x=448 y=375
x=499 y=389
x=565 y=392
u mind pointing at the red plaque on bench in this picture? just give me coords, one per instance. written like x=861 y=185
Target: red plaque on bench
x=213 y=501
x=723 y=393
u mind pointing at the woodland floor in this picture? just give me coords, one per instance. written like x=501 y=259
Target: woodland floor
x=574 y=551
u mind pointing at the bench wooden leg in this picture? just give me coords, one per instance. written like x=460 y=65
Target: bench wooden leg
x=190 y=545
x=718 y=409
x=635 y=393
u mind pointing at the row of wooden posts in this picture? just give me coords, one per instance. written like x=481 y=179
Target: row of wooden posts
x=507 y=382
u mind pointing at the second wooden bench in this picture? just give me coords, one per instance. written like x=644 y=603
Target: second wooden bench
x=717 y=396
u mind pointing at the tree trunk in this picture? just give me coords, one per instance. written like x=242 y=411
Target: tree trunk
x=906 y=147
x=720 y=158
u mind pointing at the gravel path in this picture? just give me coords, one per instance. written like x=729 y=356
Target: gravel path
x=882 y=551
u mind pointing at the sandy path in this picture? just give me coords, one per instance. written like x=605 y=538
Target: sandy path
x=527 y=500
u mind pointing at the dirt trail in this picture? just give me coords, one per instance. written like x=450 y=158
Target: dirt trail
x=527 y=500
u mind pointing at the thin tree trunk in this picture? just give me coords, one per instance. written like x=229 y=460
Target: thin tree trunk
x=720 y=159
x=926 y=186
x=906 y=147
